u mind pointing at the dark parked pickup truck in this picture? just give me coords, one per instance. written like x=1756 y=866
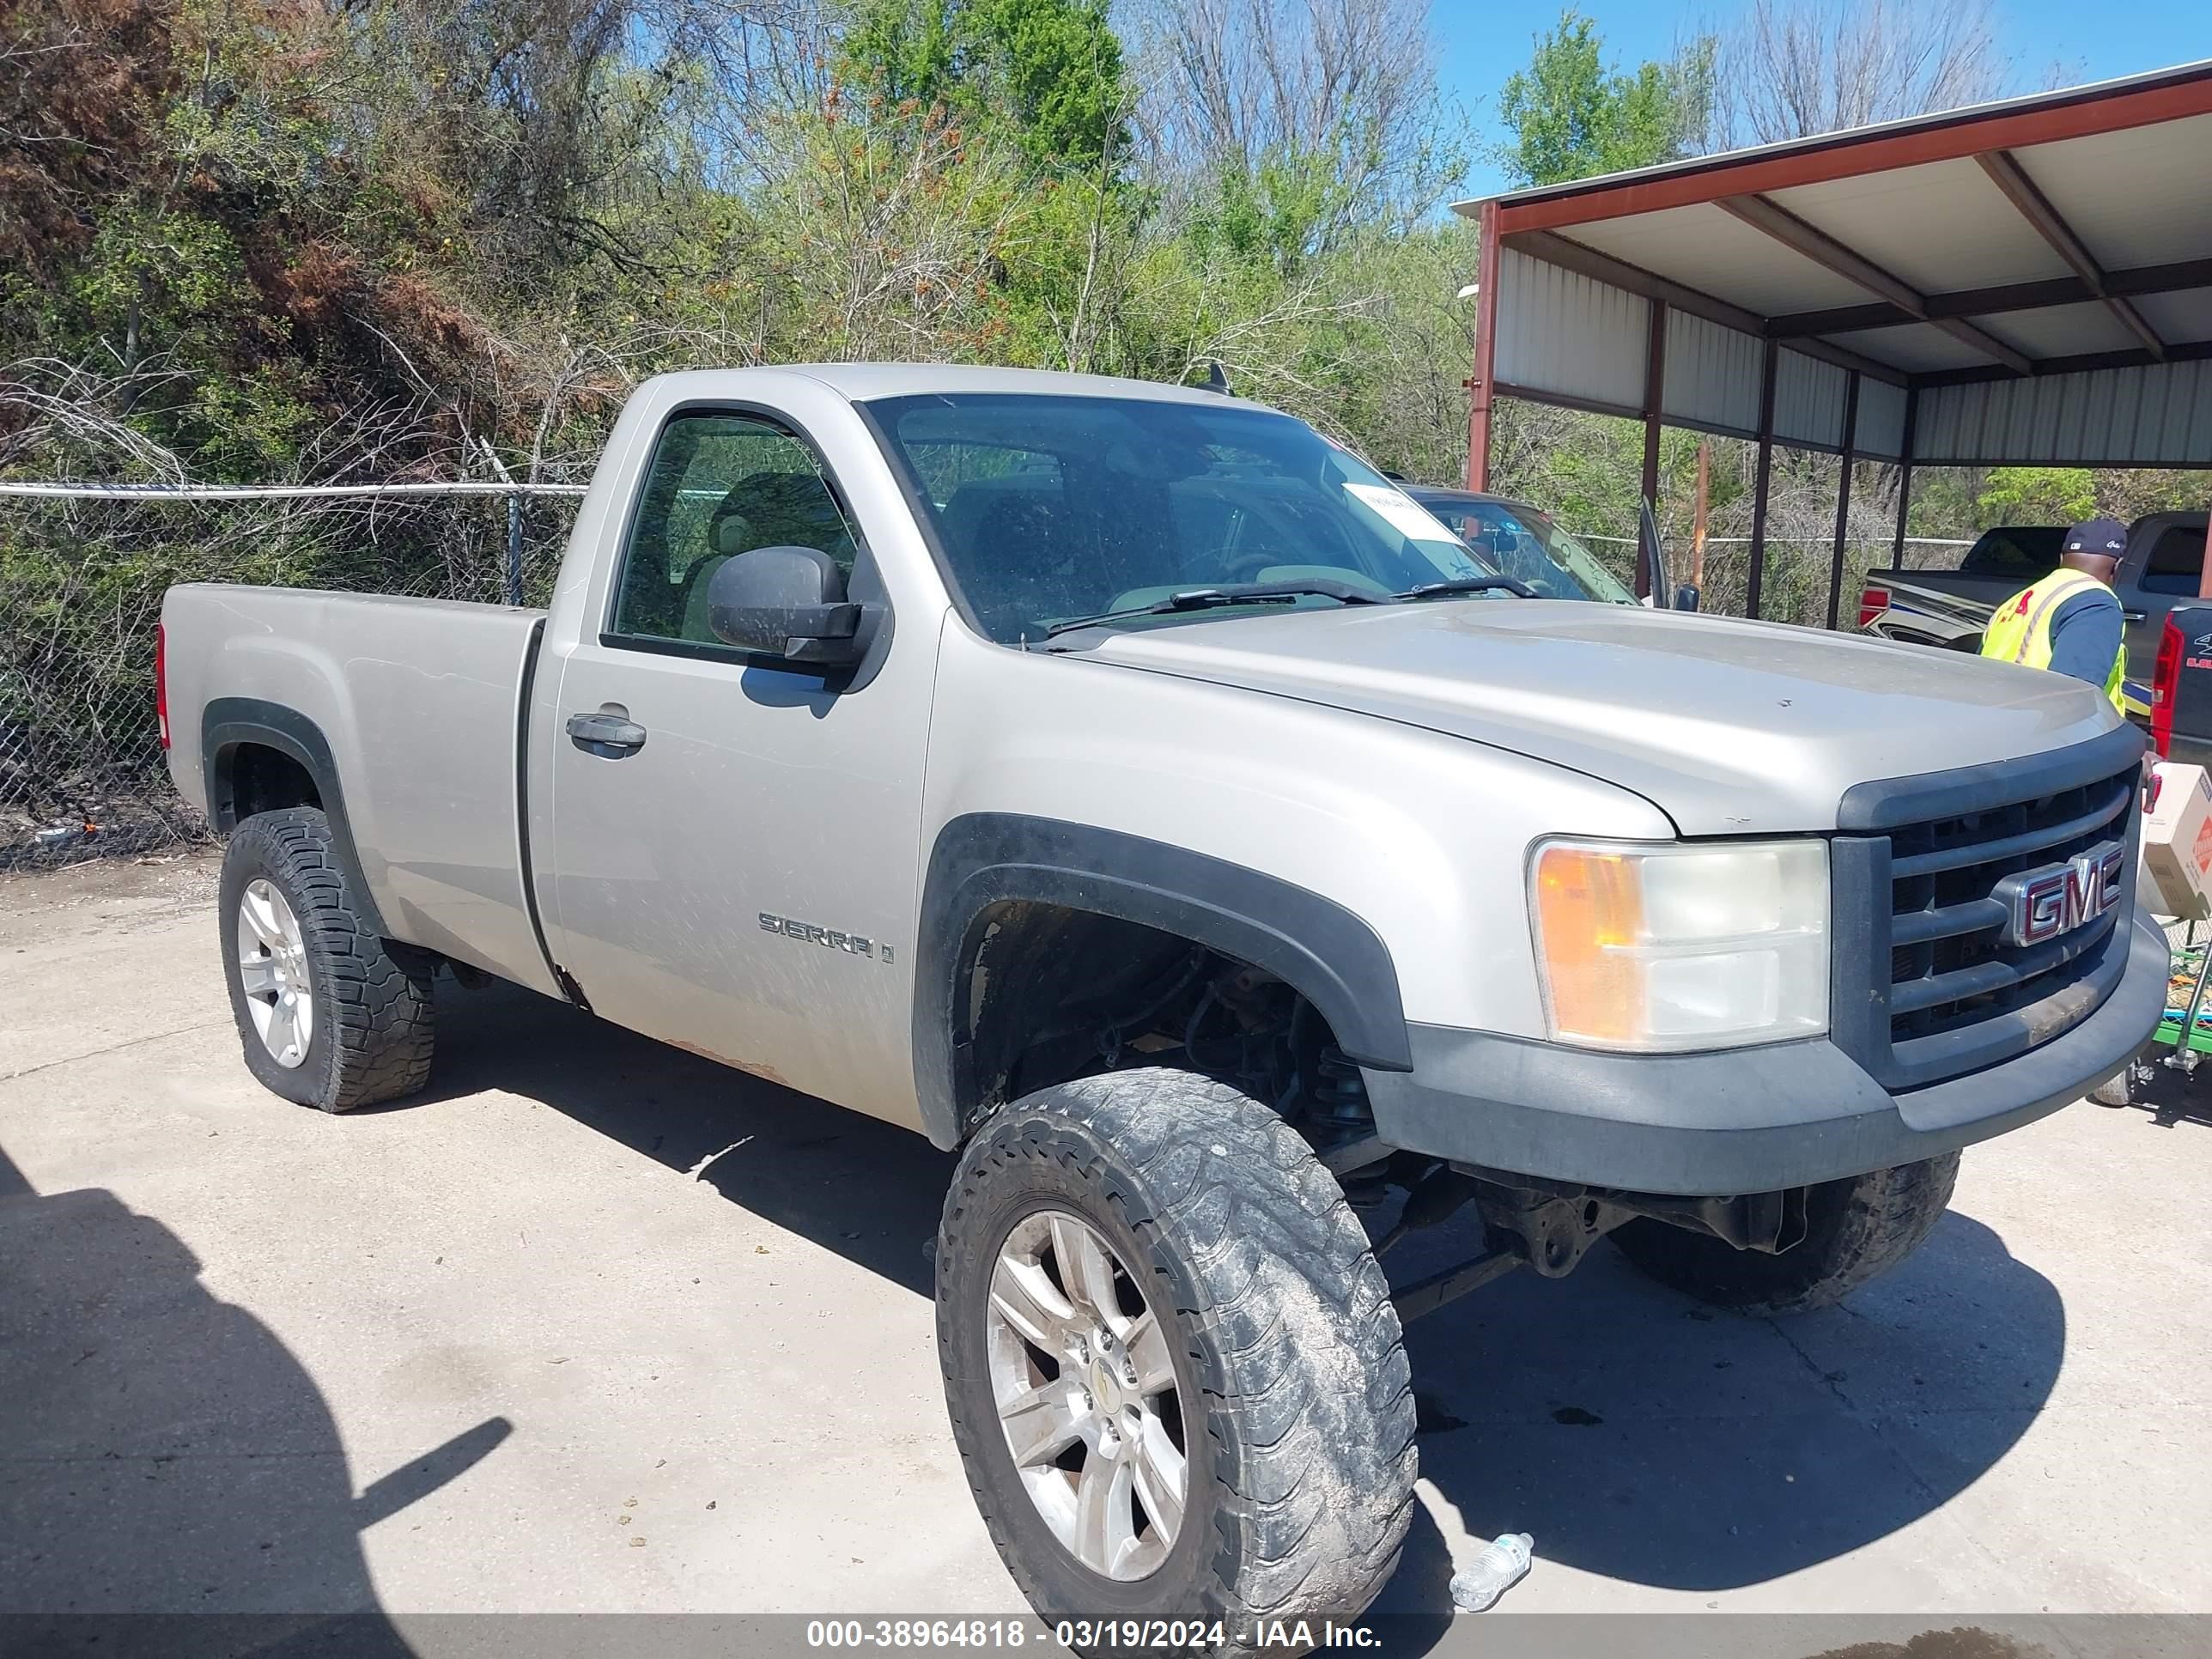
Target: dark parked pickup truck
x=2165 y=555
x=1950 y=608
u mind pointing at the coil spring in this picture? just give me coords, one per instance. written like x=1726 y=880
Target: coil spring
x=1340 y=1096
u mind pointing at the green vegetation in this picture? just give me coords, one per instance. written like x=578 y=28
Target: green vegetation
x=1572 y=117
x=272 y=240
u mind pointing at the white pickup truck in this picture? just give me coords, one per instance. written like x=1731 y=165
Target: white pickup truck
x=1126 y=786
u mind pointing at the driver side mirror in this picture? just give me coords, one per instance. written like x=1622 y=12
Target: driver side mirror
x=786 y=601
x=1685 y=598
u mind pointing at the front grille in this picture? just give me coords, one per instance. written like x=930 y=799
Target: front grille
x=1953 y=995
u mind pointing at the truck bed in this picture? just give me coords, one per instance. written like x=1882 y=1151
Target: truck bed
x=420 y=703
x=1937 y=607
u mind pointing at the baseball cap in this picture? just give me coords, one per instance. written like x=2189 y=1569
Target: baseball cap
x=2106 y=538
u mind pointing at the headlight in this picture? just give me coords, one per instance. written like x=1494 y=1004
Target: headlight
x=1665 y=947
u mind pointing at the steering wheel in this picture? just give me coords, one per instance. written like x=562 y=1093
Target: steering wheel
x=1245 y=566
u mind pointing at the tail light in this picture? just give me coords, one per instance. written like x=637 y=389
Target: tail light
x=1873 y=601
x=2166 y=685
x=161 y=680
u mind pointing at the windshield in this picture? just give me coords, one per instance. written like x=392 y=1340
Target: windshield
x=1523 y=542
x=1048 y=508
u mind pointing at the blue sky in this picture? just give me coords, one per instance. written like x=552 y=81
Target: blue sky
x=1483 y=43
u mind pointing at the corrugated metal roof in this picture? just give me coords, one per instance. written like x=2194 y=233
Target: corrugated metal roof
x=1809 y=401
x=1704 y=248
x=1710 y=377
x=2028 y=106
x=1939 y=227
x=2038 y=270
x=2136 y=198
x=2160 y=416
x=2184 y=316
x=1571 y=337
x=1881 y=421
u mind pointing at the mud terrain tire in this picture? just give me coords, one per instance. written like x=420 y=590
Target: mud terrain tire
x=1299 y=1433
x=371 y=1032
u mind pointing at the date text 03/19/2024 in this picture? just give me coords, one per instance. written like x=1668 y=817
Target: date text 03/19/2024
x=1288 y=1635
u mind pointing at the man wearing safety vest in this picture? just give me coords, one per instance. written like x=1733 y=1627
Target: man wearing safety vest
x=2069 y=621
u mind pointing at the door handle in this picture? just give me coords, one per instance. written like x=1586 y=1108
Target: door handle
x=2133 y=615
x=600 y=733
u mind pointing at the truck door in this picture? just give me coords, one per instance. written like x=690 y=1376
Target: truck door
x=734 y=866
x=2165 y=563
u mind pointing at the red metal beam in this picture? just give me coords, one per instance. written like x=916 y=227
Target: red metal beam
x=1904 y=471
x=1762 y=487
x=1988 y=301
x=2035 y=207
x=1485 y=352
x=2188 y=351
x=1655 y=386
x=1824 y=250
x=1843 y=498
x=1846 y=155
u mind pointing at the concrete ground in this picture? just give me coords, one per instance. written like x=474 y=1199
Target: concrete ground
x=597 y=1325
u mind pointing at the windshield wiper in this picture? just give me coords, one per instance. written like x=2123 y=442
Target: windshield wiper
x=1469 y=584
x=1213 y=598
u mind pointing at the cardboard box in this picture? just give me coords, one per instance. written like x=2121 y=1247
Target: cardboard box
x=2177 y=843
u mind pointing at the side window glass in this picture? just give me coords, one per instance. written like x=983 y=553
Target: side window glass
x=2177 y=562
x=719 y=485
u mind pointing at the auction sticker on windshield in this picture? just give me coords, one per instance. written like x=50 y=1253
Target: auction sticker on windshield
x=1403 y=514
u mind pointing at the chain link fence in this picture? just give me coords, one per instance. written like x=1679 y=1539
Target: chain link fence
x=1794 y=586
x=81 y=771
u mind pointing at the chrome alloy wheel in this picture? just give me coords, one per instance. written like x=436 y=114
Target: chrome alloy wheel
x=272 y=968
x=1086 y=1387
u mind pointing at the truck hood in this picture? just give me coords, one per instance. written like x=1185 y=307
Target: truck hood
x=1728 y=727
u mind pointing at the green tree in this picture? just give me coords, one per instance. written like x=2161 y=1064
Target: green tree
x=2038 y=495
x=1572 y=117
x=1051 y=70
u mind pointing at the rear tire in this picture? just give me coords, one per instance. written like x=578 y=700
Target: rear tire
x=1295 y=1411
x=1856 y=1228
x=2117 y=1091
x=291 y=923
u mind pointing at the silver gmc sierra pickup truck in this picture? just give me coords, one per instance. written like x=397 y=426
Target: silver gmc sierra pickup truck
x=1126 y=786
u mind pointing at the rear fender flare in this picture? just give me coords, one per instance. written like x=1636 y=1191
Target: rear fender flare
x=231 y=722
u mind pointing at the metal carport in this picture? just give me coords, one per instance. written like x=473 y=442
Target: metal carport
x=2016 y=284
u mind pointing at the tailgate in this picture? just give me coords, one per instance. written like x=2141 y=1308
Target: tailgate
x=1944 y=596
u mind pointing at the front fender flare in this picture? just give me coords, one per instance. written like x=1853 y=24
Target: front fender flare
x=1314 y=944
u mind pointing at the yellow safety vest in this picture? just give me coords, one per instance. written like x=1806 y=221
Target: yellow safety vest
x=2021 y=630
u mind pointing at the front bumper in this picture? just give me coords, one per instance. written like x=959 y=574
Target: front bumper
x=1737 y=1121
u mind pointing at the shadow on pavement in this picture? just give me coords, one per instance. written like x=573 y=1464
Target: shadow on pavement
x=863 y=1189
x=172 y=1480
x=1637 y=1436
x=2173 y=1098
x=1642 y=1438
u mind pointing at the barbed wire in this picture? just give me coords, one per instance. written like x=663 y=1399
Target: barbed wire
x=105 y=492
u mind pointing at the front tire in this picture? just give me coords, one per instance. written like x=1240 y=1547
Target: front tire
x=1856 y=1228
x=2117 y=1090
x=329 y=1014
x=1266 y=1393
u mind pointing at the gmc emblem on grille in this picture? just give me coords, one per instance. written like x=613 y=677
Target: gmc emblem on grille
x=2042 y=904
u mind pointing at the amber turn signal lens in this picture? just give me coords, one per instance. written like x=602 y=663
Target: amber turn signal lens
x=1589 y=903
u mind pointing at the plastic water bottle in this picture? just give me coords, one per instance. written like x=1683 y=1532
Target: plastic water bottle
x=1494 y=1573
